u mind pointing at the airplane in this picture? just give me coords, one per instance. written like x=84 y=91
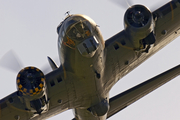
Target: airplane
x=144 y=51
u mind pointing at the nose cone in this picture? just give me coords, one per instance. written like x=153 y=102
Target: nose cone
x=77 y=29
x=74 y=30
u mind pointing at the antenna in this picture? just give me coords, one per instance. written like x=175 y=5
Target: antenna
x=67 y=13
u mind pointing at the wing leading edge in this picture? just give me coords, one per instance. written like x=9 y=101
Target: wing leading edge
x=122 y=100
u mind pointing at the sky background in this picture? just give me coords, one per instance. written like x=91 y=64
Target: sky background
x=28 y=27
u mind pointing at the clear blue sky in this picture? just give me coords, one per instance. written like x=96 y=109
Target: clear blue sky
x=29 y=28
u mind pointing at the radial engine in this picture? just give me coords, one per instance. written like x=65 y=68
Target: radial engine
x=32 y=90
x=139 y=25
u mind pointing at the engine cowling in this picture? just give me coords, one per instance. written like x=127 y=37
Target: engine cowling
x=139 y=24
x=31 y=87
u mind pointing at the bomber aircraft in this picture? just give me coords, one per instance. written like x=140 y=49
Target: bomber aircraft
x=91 y=66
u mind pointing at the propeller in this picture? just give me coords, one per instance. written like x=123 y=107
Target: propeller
x=138 y=16
x=128 y=3
x=123 y=3
x=11 y=61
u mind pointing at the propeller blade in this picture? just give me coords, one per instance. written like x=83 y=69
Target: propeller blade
x=11 y=62
x=123 y=3
x=129 y=3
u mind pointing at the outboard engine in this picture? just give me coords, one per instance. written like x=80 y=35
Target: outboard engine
x=31 y=87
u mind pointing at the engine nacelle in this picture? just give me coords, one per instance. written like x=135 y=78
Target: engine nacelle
x=31 y=87
x=139 y=23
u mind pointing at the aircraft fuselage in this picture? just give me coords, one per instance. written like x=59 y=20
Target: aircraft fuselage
x=81 y=51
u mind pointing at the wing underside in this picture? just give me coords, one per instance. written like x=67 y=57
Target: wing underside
x=167 y=28
x=121 y=101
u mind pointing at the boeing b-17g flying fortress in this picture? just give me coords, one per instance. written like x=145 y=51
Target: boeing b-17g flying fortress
x=89 y=64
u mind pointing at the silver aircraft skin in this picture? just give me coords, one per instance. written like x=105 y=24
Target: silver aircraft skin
x=91 y=66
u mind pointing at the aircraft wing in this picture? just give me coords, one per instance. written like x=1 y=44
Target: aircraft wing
x=167 y=28
x=13 y=107
x=122 y=59
x=121 y=101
